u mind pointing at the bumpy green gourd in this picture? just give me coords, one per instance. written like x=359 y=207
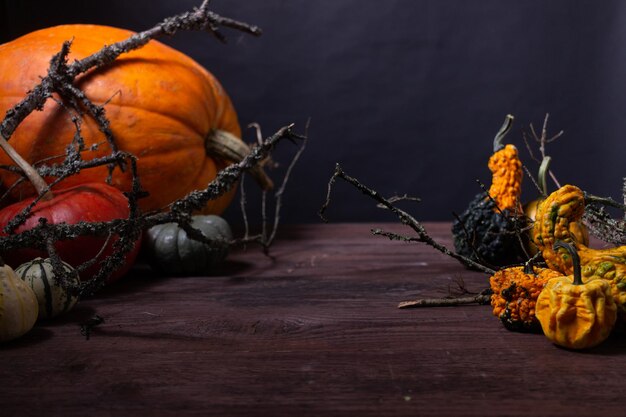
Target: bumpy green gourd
x=577 y=230
x=18 y=305
x=53 y=298
x=170 y=251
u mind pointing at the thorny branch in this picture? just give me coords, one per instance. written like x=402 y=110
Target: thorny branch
x=405 y=218
x=422 y=236
x=60 y=80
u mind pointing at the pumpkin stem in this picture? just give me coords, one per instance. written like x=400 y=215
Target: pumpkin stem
x=497 y=141
x=31 y=173
x=543 y=173
x=229 y=147
x=575 y=259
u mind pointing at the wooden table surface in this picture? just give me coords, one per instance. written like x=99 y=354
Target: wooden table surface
x=314 y=332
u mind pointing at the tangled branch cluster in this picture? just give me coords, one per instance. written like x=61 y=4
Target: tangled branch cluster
x=60 y=80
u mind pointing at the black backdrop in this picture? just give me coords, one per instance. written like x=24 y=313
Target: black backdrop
x=405 y=94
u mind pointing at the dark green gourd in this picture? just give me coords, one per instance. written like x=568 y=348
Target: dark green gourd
x=170 y=251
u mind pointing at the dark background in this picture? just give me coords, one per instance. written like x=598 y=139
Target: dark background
x=406 y=94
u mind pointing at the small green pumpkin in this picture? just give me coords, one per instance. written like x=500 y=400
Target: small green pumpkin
x=170 y=251
x=18 y=305
x=53 y=298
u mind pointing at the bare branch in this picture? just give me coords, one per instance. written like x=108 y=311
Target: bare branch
x=404 y=217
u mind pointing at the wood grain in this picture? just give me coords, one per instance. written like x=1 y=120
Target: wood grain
x=313 y=332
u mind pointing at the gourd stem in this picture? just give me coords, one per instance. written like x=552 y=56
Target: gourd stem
x=497 y=141
x=575 y=259
x=543 y=174
x=226 y=146
x=31 y=173
x=528 y=268
x=529 y=265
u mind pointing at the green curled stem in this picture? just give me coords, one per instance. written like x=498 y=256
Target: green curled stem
x=578 y=280
x=543 y=174
x=506 y=126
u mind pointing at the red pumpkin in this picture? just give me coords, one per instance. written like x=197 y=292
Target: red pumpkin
x=162 y=105
x=95 y=202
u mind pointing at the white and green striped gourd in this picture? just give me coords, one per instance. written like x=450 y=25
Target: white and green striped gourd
x=52 y=297
x=18 y=305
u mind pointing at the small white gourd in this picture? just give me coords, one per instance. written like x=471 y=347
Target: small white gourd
x=53 y=298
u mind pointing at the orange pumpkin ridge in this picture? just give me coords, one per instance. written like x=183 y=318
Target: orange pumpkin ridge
x=161 y=104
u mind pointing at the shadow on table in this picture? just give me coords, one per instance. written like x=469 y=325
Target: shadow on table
x=35 y=336
x=43 y=329
x=141 y=277
x=615 y=345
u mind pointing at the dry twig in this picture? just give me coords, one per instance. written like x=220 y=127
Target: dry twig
x=405 y=218
x=482 y=298
x=542 y=141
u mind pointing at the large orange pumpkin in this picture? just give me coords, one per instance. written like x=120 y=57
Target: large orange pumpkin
x=162 y=106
